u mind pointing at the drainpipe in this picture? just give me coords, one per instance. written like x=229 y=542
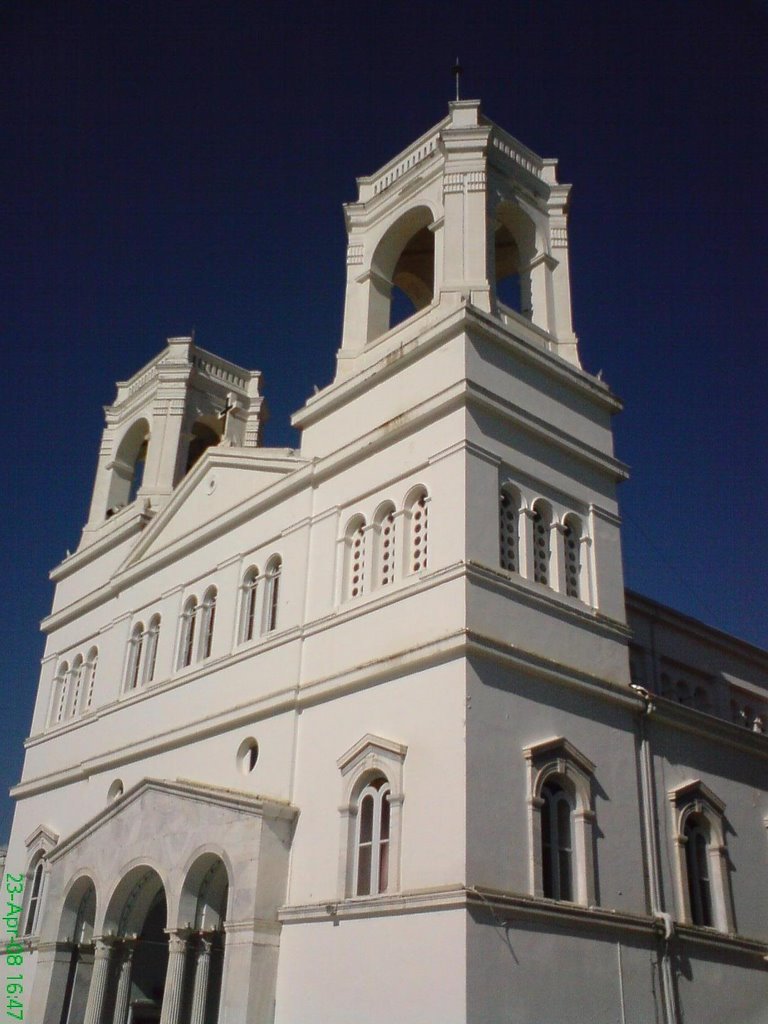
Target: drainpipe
x=652 y=856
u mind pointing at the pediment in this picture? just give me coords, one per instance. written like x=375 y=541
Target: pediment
x=155 y=812
x=223 y=480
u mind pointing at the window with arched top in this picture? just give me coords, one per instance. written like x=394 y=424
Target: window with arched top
x=556 y=841
x=384 y=545
x=542 y=550
x=249 y=594
x=572 y=534
x=372 y=840
x=135 y=649
x=206 y=433
x=272 y=592
x=371 y=816
x=207 y=621
x=35 y=883
x=59 y=696
x=75 y=686
x=561 y=822
x=150 y=652
x=703 y=886
x=188 y=631
x=514 y=250
x=417 y=530
x=91 y=664
x=510 y=504
x=353 y=583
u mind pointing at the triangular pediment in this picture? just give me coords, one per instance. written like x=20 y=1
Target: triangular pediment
x=223 y=482
x=129 y=818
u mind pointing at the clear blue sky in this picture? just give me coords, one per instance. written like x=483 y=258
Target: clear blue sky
x=169 y=165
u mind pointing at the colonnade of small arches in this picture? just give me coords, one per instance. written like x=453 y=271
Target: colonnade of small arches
x=73 y=687
x=545 y=547
x=155 y=957
x=394 y=544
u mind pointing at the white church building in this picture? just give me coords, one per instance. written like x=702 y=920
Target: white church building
x=370 y=731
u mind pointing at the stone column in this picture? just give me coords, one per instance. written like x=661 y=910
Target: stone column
x=124 y=984
x=99 y=978
x=200 y=992
x=174 y=977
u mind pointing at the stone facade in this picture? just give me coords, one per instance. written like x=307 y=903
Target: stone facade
x=370 y=730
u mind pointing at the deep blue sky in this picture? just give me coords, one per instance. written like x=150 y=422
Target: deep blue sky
x=176 y=164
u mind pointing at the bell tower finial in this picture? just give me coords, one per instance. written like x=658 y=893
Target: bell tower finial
x=457 y=70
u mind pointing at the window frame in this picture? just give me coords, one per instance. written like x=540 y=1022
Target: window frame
x=370 y=759
x=695 y=808
x=557 y=761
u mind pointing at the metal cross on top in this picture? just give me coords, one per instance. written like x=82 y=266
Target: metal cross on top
x=457 y=70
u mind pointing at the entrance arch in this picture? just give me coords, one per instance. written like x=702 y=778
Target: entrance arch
x=204 y=899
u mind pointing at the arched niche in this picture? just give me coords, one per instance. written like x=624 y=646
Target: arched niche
x=206 y=432
x=127 y=467
x=514 y=248
x=402 y=271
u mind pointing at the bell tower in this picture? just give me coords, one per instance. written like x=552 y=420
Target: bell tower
x=163 y=419
x=464 y=214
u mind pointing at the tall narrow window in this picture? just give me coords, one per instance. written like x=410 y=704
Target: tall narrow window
x=35 y=895
x=572 y=552
x=556 y=842
x=373 y=831
x=354 y=557
x=509 y=510
x=135 y=648
x=542 y=521
x=208 y=620
x=92 y=662
x=188 y=622
x=248 y=604
x=75 y=686
x=384 y=545
x=697 y=864
x=417 y=512
x=272 y=593
x=150 y=655
x=60 y=687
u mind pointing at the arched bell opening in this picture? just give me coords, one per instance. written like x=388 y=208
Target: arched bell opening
x=203 y=909
x=72 y=977
x=402 y=272
x=127 y=467
x=206 y=433
x=514 y=248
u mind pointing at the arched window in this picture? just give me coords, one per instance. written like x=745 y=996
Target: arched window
x=60 y=687
x=542 y=523
x=556 y=842
x=416 y=517
x=187 y=640
x=207 y=623
x=682 y=692
x=509 y=544
x=75 y=686
x=384 y=545
x=371 y=813
x=701 y=699
x=150 y=654
x=91 y=664
x=373 y=832
x=562 y=822
x=206 y=433
x=135 y=648
x=572 y=533
x=354 y=558
x=250 y=591
x=704 y=892
x=403 y=272
x=697 y=865
x=35 y=896
x=272 y=592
